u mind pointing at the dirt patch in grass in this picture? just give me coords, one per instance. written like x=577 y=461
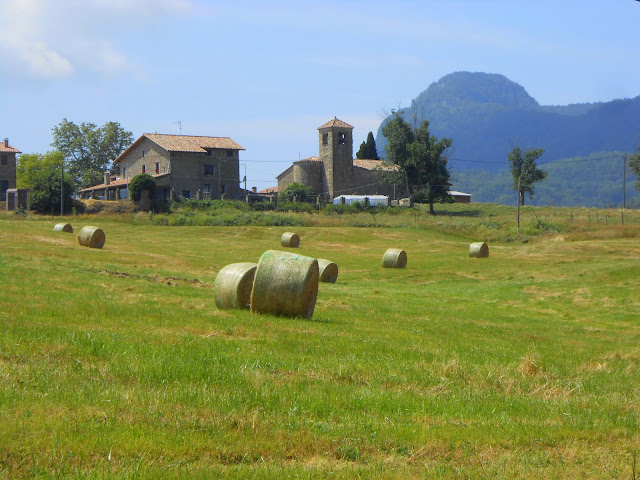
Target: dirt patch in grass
x=158 y=279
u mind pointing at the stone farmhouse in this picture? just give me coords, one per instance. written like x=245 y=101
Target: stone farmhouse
x=183 y=166
x=335 y=171
x=7 y=168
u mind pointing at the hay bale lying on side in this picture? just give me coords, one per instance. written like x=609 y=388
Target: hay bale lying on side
x=285 y=284
x=63 y=227
x=394 y=258
x=233 y=284
x=328 y=271
x=290 y=239
x=92 y=237
x=479 y=250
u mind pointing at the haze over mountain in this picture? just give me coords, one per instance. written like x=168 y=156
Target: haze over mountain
x=486 y=115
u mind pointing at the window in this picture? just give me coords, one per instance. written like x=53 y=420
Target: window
x=325 y=139
x=186 y=193
x=223 y=189
x=157 y=167
x=208 y=170
x=206 y=189
x=142 y=153
x=209 y=152
x=341 y=138
x=5 y=160
x=144 y=169
x=4 y=185
x=229 y=153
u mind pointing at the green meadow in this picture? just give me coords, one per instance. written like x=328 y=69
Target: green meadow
x=116 y=363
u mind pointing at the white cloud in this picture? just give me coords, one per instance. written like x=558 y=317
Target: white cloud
x=20 y=21
x=55 y=39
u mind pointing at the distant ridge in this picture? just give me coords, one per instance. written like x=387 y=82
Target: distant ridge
x=487 y=114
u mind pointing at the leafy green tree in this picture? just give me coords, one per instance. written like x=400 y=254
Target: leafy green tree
x=525 y=172
x=421 y=160
x=298 y=190
x=368 y=150
x=41 y=175
x=89 y=150
x=634 y=164
x=141 y=182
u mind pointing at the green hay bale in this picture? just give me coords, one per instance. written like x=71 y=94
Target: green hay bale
x=285 y=284
x=92 y=237
x=478 y=250
x=290 y=239
x=328 y=271
x=63 y=227
x=233 y=284
x=394 y=258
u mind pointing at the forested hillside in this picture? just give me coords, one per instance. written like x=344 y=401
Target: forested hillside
x=591 y=181
x=486 y=115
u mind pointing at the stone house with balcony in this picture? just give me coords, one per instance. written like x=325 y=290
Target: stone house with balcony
x=183 y=165
x=335 y=172
x=7 y=168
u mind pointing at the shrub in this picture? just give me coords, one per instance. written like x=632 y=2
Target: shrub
x=298 y=190
x=141 y=182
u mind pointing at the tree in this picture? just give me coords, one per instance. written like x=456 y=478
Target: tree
x=297 y=190
x=525 y=172
x=368 y=150
x=41 y=175
x=634 y=164
x=421 y=160
x=141 y=182
x=89 y=150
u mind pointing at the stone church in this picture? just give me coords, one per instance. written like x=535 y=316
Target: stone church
x=335 y=172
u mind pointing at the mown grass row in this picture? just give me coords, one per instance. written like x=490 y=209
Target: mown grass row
x=116 y=363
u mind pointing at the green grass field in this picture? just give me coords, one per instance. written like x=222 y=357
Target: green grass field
x=116 y=363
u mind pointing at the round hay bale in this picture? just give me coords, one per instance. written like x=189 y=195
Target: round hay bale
x=290 y=239
x=394 y=258
x=233 y=284
x=92 y=237
x=63 y=227
x=285 y=284
x=327 y=271
x=478 y=250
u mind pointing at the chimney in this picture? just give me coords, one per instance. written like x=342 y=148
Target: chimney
x=254 y=189
x=6 y=142
x=107 y=177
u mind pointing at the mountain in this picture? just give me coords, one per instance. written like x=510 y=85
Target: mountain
x=486 y=115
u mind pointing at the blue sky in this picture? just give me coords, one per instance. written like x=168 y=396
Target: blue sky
x=267 y=74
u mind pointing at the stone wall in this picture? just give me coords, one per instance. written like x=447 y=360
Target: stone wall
x=309 y=173
x=146 y=153
x=366 y=182
x=7 y=173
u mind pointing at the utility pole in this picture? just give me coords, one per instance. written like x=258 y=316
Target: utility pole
x=245 y=180
x=62 y=187
x=518 y=194
x=624 y=182
x=624 y=185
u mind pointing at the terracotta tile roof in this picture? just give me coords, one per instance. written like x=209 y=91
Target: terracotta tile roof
x=119 y=182
x=309 y=159
x=269 y=190
x=185 y=143
x=8 y=148
x=374 y=164
x=335 y=123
